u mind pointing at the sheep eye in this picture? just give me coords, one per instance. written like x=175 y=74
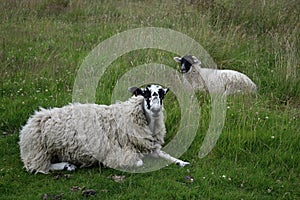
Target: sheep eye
x=147 y=94
x=161 y=93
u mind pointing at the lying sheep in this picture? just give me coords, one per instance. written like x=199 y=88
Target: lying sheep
x=226 y=82
x=118 y=135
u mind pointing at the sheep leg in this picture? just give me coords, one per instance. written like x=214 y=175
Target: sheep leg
x=63 y=166
x=166 y=156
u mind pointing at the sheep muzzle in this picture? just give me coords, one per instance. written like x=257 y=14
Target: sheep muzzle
x=156 y=106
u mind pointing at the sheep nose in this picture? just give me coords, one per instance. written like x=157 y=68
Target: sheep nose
x=155 y=99
x=183 y=69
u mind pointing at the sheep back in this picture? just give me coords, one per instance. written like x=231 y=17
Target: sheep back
x=236 y=82
x=220 y=81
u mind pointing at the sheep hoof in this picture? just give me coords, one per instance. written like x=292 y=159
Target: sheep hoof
x=182 y=163
x=139 y=163
x=70 y=167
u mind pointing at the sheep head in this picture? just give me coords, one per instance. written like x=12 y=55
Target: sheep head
x=153 y=96
x=186 y=62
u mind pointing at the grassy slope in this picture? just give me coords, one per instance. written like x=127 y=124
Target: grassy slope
x=44 y=42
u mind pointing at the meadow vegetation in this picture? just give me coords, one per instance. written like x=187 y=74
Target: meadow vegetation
x=43 y=43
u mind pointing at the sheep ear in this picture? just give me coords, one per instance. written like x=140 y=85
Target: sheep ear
x=177 y=59
x=166 y=90
x=135 y=90
x=196 y=60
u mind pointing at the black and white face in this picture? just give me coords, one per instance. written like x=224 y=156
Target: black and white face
x=186 y=62
x=153 y=94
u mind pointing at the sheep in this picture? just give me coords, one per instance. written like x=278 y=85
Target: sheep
x=117 y=135
x=228 y=82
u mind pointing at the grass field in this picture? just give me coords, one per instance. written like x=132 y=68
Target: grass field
x=43 y=43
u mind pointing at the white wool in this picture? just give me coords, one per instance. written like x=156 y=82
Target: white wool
x=116 y=135
x=227 y=82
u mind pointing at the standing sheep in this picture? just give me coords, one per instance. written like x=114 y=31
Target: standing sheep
x=226 y=82
x=118 y=135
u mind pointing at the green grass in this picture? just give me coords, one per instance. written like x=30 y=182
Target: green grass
x=43 y=43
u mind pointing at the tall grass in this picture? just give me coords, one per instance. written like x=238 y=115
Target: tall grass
x=43 y=43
